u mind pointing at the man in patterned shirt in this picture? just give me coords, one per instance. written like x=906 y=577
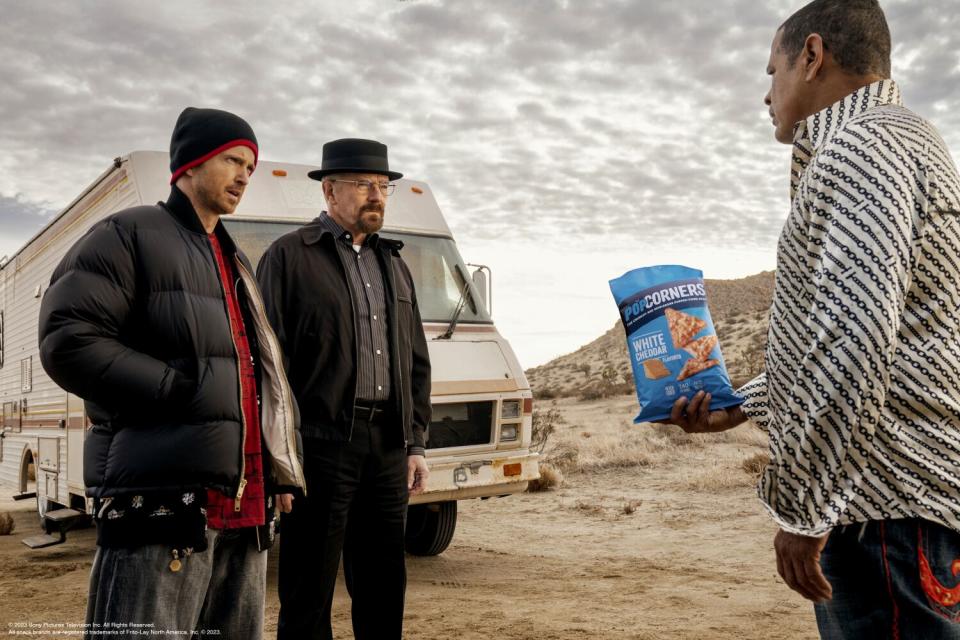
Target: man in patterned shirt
x=860 y=396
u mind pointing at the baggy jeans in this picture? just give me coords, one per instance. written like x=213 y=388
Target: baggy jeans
x=217 y=592
x=897 y=579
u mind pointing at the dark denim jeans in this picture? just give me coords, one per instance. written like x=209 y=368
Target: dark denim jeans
x=892 y=579
x=218 y=592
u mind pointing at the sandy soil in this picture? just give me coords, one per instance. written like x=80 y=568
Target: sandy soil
x=674 y=547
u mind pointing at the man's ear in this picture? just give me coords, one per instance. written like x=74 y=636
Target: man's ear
x=185 y=180
x=328 y=191
x=812 y=56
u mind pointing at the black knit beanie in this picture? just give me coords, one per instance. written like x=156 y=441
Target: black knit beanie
x=201 y=134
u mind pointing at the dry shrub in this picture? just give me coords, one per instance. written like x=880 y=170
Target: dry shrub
x=6 y=524
x=550 y=478
x=630 y=506
x=564 y=456
x=755 y=464
x=637 y=446
x=745 y=434
x=589 y=394
x=678 y=437
x=546 y=393
x=597 y=454
x=601 y=389
x=607 y=512
x=544 y=423
x=630 y=448
x=587 y=507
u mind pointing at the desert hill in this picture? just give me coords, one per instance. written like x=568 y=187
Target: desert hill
x=602 y=367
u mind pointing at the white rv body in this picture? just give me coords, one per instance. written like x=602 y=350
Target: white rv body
x=476 y=377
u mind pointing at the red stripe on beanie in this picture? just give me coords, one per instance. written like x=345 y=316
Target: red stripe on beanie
x=233 y=143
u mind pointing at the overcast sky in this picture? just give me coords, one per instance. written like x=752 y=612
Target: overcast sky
x=567 y=141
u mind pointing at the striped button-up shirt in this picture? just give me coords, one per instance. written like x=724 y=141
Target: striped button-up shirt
x=368 y=292
x=861 y=395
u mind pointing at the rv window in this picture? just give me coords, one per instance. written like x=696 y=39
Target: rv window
x=438 y=273
x=437 y=268
x=253 y=237
x=8 y=421
x=8 y=418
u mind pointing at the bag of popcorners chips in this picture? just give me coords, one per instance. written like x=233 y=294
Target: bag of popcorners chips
x=670 y=336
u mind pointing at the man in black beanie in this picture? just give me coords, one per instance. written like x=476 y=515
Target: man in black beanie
x=155 y=320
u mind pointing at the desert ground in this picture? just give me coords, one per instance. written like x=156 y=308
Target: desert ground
x=651 y=534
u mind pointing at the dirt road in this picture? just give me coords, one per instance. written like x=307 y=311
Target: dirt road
x=642 y=552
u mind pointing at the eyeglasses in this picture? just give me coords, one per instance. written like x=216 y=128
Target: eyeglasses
x=363 y=186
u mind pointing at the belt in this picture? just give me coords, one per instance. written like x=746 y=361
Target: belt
x=372 y=412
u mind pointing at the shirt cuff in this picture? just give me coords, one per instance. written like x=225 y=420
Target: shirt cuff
x=809 y=530
x=416 y=451
x=755 y=401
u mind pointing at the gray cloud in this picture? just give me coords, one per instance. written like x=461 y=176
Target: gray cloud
x=546 y=117
x=19 y=220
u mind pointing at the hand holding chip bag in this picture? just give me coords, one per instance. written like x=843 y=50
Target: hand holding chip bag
x=695 y=415
x=674 y=349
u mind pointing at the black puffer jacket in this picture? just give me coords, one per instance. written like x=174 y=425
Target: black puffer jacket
x=135 y=323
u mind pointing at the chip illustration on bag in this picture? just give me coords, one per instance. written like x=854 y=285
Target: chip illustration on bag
x=694 y=366
x=682 y=326
x=674 y=349
x=701 y=348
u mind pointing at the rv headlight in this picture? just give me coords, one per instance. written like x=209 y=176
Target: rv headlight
x=510 y=410
x=509 y=432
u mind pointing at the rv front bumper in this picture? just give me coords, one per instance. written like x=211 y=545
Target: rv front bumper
x=480 y=476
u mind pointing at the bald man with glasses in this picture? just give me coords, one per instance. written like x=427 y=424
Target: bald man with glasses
x=343 y=305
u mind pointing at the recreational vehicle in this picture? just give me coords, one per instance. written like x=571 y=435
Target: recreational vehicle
x=478 y=442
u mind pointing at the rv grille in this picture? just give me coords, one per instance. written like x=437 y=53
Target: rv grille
x=460 y=424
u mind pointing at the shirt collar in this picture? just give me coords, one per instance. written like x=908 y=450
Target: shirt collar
x=324 y=224
x=820 y=127
x=180 y=207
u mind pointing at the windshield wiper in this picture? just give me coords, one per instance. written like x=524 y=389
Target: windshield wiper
x=461 y=304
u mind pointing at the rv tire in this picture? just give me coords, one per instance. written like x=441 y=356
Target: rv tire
x=430 y=527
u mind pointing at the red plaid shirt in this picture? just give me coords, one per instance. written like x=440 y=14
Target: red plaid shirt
x=221 y=510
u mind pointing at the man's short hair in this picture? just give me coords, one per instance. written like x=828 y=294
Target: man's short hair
x=855 y=32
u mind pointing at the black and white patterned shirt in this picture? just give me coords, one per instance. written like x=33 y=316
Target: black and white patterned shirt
x=861 y=395
x=368 y=291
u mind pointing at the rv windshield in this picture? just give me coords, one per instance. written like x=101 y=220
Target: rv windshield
x=437 y=268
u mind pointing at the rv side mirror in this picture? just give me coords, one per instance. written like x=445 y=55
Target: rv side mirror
x=483 y=283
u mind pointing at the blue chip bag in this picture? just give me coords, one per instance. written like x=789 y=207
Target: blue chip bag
x=673 y=346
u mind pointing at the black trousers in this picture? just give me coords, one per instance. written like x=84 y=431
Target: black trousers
x=356 y=503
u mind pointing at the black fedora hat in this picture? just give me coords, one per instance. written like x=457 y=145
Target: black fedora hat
x=354 y=155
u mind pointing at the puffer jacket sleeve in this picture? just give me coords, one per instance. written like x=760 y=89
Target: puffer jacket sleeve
x=82 y=317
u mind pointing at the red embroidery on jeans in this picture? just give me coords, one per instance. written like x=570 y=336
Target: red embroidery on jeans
x=945 y=596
